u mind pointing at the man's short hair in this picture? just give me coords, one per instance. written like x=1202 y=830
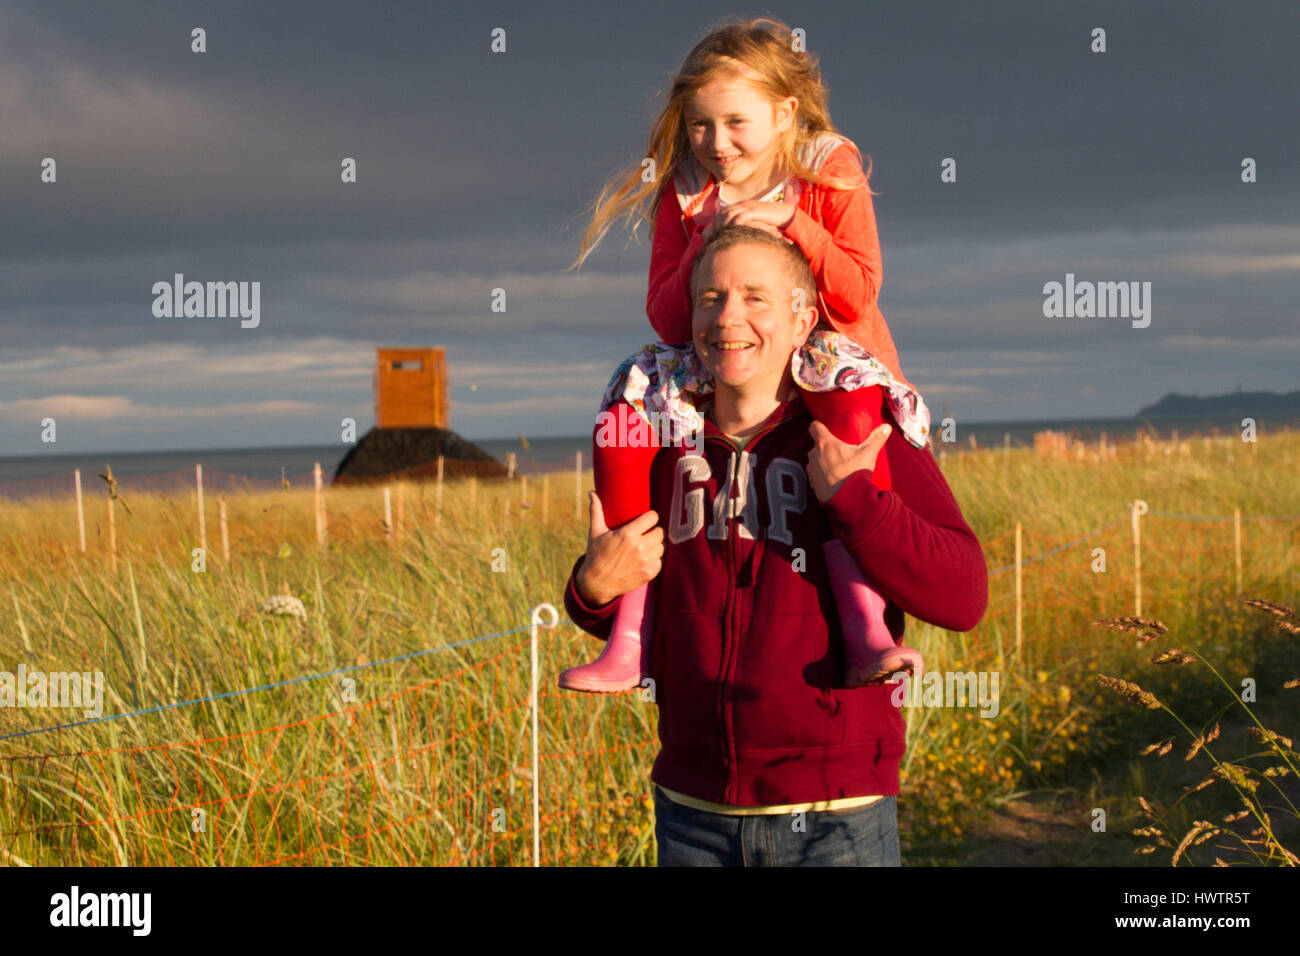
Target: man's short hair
x=797 y=271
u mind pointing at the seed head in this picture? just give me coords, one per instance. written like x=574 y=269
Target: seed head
x=1131 y=690
x=1147 y=628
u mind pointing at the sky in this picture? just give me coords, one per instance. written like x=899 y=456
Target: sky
x=475 y=171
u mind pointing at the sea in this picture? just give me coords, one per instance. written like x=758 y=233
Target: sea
x=234 y=469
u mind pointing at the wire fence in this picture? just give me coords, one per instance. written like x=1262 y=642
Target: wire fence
x=480 y=765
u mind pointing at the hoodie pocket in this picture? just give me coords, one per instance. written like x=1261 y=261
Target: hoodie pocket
x=685 y=663
x=781 y=696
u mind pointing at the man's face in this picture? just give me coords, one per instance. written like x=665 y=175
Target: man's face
x=743 y=324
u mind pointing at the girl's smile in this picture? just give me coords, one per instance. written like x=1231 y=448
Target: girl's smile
x=733 y=131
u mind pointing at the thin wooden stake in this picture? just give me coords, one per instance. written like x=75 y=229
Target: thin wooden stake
x=1236 y=542
x=225 y=533
x=81 y=515
x=112 y=535
x=577 y=485
x=1020 y=595
x=203 y=520
x=437 y=498
x=1139 y=509
x=388 y=514
x=320 y=507
x=401 y=511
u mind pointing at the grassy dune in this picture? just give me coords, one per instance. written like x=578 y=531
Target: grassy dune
x=427 y=760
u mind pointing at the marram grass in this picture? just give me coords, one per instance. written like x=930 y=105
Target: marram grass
x=427 y=760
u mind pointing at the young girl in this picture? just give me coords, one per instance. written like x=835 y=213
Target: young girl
x=746 y=139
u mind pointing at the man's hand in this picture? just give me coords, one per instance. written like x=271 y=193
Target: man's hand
x=768 y=216
x=831 y=461
x=619 y=561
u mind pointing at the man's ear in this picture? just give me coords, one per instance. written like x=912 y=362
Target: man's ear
x=804 y=322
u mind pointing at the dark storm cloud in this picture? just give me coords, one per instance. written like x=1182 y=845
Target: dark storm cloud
x=475 y=170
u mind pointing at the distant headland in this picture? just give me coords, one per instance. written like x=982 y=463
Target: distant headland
x=1251 y=404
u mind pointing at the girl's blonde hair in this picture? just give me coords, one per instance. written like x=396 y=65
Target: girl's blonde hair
x=762 y=51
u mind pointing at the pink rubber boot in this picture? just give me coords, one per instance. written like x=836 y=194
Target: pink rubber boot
x=626 y=657
x=870 y=655
x=621 y=472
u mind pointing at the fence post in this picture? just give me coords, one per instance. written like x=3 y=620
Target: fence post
x=81 y=515
x=225 y=534
x=400 y=516
x=536 y=616
x=112 y=535
x=510 y=465
x=437 y=521
x=1020 y=604
x=388 y=514
x=577 y=485
x=1236 y=543
x=1139 y=508
x=320 y=508
x=203 y=521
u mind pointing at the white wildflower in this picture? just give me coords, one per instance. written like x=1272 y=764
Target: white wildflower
x=284 y=604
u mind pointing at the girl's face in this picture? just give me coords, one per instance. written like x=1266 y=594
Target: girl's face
x=733 y=129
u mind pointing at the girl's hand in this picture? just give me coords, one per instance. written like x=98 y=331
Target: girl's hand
x=768 y=216
x=831 y=461
x=619 y=561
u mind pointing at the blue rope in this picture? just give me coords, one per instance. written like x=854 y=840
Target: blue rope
x=253 y=690
x=1166 y=514
x=1057 y=550
x=1156 y=514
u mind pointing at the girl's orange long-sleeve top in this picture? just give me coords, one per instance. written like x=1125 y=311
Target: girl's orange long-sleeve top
x=834 y=228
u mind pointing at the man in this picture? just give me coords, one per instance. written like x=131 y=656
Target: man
x=766 y=758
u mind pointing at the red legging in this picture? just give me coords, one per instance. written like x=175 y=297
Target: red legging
x=622 y=474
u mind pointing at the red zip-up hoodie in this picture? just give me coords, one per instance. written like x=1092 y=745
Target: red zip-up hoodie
x=747 y=657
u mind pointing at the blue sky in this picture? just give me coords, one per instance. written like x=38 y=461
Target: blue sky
x=475 y=170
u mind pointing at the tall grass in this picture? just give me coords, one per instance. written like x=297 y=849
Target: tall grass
x=426 y=760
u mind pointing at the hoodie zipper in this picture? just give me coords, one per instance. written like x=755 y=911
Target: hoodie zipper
x=724 y=736
x=733 y=624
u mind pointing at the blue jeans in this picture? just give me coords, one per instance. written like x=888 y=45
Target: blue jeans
x=861 y=836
